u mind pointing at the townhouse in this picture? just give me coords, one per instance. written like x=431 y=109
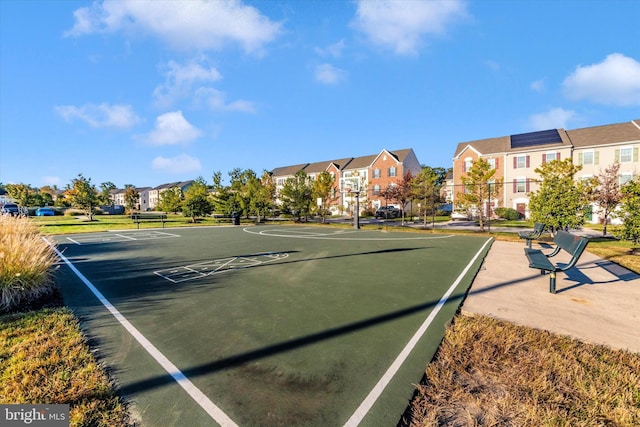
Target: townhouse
x=375 y=173
x=516 y=157
x=148 y=197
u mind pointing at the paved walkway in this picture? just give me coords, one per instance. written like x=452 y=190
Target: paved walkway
x=597 y=301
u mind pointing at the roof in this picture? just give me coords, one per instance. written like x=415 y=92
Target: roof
x=627 y=132
x=288 y=170
x=607 y=134
x=361 y=162
x=318 y=167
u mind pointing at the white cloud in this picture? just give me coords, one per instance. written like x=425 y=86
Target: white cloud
x=333 y=50
x=552 y=119
x=171 y=128
x=329 y=75
x=199 y=25
x=402 y=25
x=182 y=163
x=216 y=101
x=100 y=116
x=241 y=106
x=614 y=81
x=537 y=86
x=179 y=80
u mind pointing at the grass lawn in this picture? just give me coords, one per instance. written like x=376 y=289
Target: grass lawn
x=486 y=372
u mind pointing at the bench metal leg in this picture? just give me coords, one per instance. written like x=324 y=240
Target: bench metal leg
x=552 y=282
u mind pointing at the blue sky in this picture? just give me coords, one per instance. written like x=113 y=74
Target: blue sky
x=148 y=92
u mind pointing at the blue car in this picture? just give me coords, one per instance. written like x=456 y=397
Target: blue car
x=45 y=212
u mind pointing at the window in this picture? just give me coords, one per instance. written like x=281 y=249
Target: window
x=551 y=156
x=493 y=162
x=626 y=155
x=520 y=162
x=280 y=181
x=376 y=173
x=376 y=190
x=392 y=171
x=521 y=185
x=468 y=162
x=586 y=158
x=624 y=178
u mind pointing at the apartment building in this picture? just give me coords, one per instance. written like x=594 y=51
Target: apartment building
x=516 y=157
x=375 y=173
x=154 y=193
x=148 y=197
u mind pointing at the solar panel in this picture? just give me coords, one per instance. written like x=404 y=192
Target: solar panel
x=542 y=137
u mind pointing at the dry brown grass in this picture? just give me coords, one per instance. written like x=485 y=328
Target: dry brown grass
x=44 y=359
x=493 y=373
x=25 y=263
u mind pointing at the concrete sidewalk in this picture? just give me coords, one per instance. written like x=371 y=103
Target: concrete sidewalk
x=597 y=301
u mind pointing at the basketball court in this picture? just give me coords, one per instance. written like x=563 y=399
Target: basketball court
x=267 y=325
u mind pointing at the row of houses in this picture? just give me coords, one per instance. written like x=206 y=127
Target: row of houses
x=373 y=173
x=516 y=157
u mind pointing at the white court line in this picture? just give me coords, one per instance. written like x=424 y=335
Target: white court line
x=377 y=390
x=201 y=399
x=331 y=236
x=125 y=237
x=74 y=241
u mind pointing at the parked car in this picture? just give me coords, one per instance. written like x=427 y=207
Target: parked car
x=10 y=209
x=45 y=212
x=459 y=215
x=387 y=212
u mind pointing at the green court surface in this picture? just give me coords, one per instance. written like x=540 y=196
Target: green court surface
x=267 y=325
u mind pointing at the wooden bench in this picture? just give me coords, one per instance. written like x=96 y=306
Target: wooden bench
x=573 y=245
x=148 y=216
x=529 y=236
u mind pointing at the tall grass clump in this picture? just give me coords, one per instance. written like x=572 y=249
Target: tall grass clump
x=26 y=262
x=493 y=373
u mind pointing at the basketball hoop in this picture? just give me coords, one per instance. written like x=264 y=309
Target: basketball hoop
x=349 y=185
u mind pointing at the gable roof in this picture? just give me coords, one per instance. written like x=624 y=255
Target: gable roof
x=485 y=146
x=607 y=134
x=318 y=167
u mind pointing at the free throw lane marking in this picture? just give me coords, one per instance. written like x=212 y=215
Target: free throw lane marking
x=377 y=390
x=201 y=399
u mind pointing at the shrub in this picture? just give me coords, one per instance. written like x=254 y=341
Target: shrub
x=25 y=263
x=508 y=213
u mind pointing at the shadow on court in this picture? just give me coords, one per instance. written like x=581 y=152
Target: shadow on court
x=302 y=339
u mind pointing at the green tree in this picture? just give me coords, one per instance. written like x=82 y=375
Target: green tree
x=261 y=194
x=104 y=197
x=23 y=194
x=296 y=195
x=427 y=189
x=604 y=191
x=222 y=199
x=48 y=195
x=171 y=200
x=323 y=189
x=560 y=203
x=131 y=198
x=479 y=188
x=83 y=195
x=196 y=200
x=630 y=212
